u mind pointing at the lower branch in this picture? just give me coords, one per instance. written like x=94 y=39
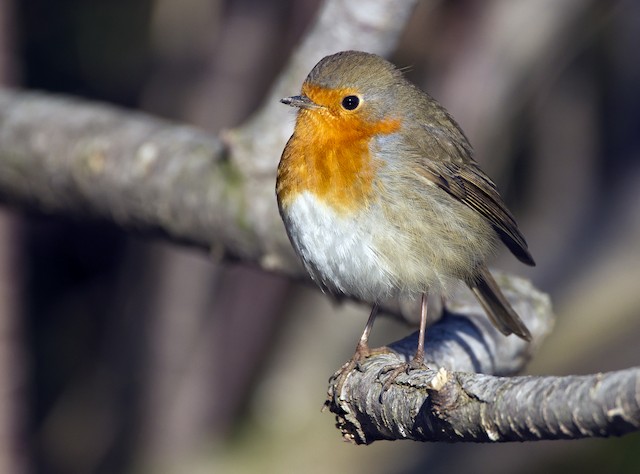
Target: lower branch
x=455 y=400
x=441 y=405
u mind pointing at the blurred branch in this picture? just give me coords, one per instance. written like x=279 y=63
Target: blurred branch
x=501 y=45
x=69 y=156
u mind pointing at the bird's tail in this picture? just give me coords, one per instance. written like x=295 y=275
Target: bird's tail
x=496 y=305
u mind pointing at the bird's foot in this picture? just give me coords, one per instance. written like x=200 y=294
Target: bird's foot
x=393 y=371
x=362 y=353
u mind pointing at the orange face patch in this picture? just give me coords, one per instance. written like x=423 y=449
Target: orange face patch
x=328 y=154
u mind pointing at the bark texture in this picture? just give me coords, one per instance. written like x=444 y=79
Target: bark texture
x=465 y=394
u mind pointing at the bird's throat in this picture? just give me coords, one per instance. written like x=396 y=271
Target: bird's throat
x=330 y=157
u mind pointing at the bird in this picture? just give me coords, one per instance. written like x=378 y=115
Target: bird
x=381 y=197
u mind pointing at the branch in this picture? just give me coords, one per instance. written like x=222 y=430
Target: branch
x=442 y=405
x=72 y=157
x=451 y=401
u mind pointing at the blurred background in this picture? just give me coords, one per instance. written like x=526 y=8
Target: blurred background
x=120 y=353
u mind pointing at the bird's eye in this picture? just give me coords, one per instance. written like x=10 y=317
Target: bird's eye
x=350 y=102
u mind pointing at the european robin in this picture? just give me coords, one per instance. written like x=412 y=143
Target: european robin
x=381 y=197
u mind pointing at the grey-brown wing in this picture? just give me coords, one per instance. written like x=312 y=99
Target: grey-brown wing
x=458 y=174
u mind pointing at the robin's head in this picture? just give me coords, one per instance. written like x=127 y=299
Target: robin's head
x=346 y=101
x=352 y=85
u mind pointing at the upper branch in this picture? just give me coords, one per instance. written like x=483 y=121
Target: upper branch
x=69 y=156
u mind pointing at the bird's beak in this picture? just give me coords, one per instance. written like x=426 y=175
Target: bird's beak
x=301 y=101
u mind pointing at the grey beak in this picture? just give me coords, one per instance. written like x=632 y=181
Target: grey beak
x=301 y=101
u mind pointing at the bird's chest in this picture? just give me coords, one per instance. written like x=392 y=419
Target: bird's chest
x=328 y=190
x=339 y=250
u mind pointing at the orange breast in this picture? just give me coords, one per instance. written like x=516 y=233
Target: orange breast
x=328 y=155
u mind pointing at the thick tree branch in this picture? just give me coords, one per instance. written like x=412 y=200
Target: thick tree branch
x=64 y=155
x=451 y=402
x=68 y=156
x=442 y=405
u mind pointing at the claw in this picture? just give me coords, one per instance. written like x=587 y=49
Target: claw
x=406 y=367
x=356 y=362
x=340 y=377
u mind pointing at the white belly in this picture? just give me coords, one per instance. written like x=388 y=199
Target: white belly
x=338 y=253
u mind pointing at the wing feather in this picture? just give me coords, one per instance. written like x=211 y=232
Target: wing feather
x=459 y=175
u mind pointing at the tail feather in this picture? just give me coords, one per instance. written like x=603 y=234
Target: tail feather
x=496 y=305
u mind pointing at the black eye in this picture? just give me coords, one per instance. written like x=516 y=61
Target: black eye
x=351 y=102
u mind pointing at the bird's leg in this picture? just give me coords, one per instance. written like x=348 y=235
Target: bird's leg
x=417 y=362
x=418 y=358
x=362 y=349
x=362 y=352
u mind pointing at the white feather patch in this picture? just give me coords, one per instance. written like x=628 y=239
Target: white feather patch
x=338 y=250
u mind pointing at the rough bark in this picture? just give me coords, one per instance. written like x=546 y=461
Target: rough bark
x=440 y=405
x=456 y=400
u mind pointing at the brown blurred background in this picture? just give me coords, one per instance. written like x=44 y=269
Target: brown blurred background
x=119 y=353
